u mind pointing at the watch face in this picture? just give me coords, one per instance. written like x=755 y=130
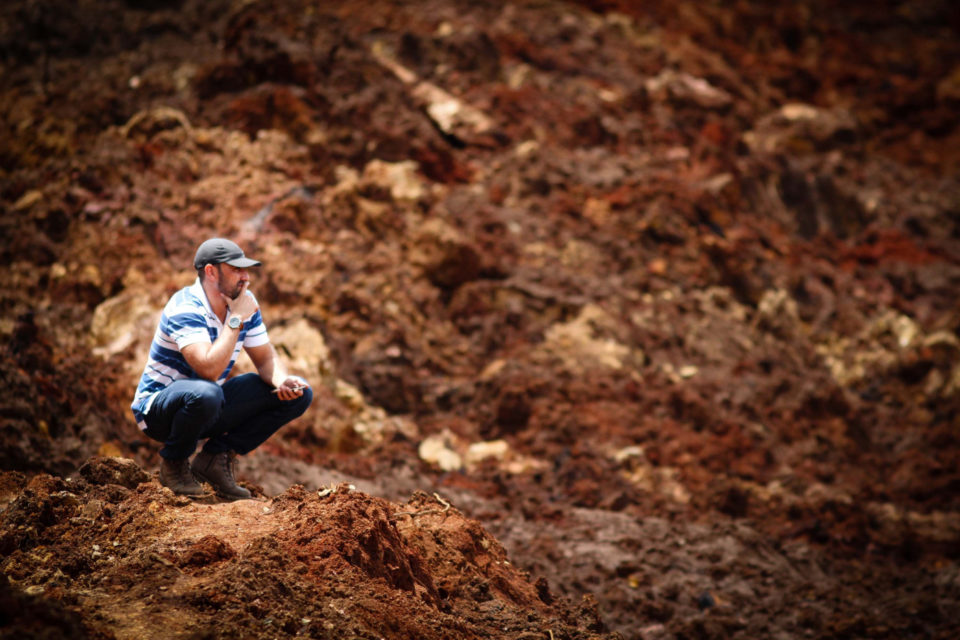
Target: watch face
x=234 y=322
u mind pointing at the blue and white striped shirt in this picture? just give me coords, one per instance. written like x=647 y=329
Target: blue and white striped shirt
x=187 y=319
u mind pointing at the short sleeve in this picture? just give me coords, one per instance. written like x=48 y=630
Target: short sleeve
x=187 y=328
x=256 y=332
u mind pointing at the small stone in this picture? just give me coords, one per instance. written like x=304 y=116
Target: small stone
x=480 y=451
x=435 y=450
x=27 y=200
x=688 y=371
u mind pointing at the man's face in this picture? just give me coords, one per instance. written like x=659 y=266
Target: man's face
x=230 y=280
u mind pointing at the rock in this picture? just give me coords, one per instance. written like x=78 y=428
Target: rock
x=450 y=114
x=633 y=451
x=121 y=321
x=801 y=127
x=437 y=450
x=777 y=313
x=684 y=88
x=27 y=200
x=304 y=348
x=366 y=424
x=400 y=179
x=480 y=451
x=656 y=479
x=577 y=345
x=121 y=471
x=688 y=371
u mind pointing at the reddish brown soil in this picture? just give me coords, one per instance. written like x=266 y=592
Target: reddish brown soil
x=636 y=321
x=138 y=562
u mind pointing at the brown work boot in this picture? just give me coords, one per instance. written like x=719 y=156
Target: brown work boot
x=176 y=476
x=217 y=469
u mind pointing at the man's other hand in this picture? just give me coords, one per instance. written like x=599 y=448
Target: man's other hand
x=291 y=388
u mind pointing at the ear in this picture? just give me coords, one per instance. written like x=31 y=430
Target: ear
x=210 y=271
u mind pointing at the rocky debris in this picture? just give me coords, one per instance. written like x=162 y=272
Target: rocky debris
x=319 y=564
x=676 y=579
x=613 y=275
x=686 y=89
x=450 y=115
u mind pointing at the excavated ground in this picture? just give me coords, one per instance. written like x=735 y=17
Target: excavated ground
x=137 y=562
x=621 y=319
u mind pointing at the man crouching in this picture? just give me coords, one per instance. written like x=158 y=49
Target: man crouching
x=185 y=395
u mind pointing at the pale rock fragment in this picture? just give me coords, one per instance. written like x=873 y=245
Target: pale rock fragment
x=27 y=200
x=683 y=87
x=121 y=321
x=480 y=451
x=437 y=450
x=576 y=343
x=799 y=124
x=400 y=178
x=688 y=371
x=305 y=348
x=449 y=113
x=777 y=313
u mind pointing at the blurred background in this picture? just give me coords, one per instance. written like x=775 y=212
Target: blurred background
x=664 y=294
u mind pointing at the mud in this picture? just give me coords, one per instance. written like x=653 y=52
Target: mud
x=620 y=320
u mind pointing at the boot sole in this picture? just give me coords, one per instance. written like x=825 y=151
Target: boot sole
x=220 y=493
x=189 y=494
x=192 y=493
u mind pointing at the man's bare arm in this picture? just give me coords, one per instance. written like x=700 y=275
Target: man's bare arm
x=209 y=360
x=273 y=372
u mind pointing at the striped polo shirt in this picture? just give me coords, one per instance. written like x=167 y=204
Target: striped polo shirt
x=187 y=319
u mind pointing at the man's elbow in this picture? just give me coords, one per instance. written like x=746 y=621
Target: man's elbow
x=207 y=373
x=198 y=359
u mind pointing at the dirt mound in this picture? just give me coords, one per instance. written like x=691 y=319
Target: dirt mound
x=98 y=559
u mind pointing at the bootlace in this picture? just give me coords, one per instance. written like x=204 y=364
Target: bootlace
x=181 y=471
x=229 y=462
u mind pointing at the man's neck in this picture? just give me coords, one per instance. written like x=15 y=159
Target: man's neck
x=217 y=305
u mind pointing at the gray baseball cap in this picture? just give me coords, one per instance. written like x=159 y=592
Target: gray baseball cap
x=218 y=250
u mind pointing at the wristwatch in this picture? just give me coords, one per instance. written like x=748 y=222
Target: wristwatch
x=234 y=322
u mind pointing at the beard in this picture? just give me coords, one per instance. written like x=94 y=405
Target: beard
x=230 y=292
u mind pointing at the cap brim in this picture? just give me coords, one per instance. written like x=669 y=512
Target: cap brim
x=243 y=263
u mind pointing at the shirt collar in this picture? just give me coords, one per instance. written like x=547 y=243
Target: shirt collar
x=196 y=289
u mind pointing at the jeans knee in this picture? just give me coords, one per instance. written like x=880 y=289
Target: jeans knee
x=303 y=402
x=206 y=402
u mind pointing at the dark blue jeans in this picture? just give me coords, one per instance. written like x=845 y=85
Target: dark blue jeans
x=239 y=416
